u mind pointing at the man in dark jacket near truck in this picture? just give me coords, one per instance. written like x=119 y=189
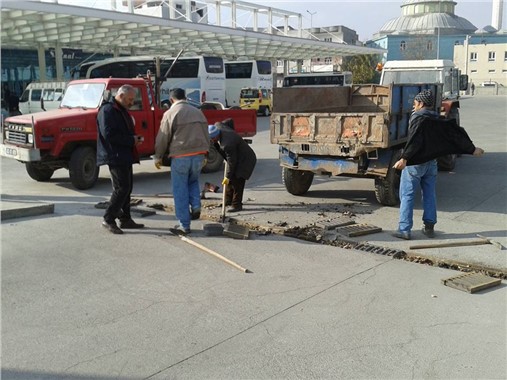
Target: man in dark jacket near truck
x=241 y=160
x=117 y=148
x=428 y=138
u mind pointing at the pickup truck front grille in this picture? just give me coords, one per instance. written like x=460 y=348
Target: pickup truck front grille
x=16 y=137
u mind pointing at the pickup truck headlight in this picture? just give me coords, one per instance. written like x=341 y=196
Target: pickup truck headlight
x=30 y=138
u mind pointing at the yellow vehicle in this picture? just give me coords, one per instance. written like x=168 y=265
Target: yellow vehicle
x=258 y=99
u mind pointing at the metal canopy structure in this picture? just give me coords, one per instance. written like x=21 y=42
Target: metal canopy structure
x=36 y=25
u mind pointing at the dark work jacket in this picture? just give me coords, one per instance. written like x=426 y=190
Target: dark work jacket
x=115 y=141
x=430 y=138
x=241 y=159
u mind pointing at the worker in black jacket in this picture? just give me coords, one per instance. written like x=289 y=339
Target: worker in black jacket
x=428 y=138
x=117 y=148
x=241 y=160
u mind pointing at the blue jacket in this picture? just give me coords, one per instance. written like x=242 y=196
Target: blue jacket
x=115 y=140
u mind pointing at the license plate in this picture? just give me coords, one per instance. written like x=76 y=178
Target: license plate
x=9 y=151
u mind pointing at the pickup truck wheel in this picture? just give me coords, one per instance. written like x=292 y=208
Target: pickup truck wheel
x=297 y=182
x=39 y=172
x=215 y=161
x=387 y=190
x=83 y=168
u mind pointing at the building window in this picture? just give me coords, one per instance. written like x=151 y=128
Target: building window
x=328 y=60
x=429 y=45
x=403 y=45
x=473 y=71
x=328 y=39
x=491 y=56
x=457 y=42
x=279 y=63
x=473 y=56
x=491 y=70
x=505 y=56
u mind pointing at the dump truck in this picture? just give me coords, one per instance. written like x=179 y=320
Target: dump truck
x=355 y=131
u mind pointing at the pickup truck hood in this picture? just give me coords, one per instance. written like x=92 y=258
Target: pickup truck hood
x=55 y=116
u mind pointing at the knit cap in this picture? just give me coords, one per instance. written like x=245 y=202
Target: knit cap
x=426 y=97
x=213 y=131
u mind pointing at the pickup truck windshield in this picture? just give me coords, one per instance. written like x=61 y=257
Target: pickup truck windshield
x=83 y=95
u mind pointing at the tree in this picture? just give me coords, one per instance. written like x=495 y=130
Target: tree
x=362 y=68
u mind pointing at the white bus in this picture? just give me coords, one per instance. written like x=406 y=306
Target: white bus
x=343 y=78
x=202 y=78
x=246 y=74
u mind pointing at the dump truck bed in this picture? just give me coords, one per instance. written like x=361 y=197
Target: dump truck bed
x=343 y=121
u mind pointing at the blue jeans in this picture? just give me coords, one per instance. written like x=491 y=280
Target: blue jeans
x=185 y=183
x=422 y=176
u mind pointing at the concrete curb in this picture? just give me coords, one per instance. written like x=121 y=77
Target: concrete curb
x=26 y=211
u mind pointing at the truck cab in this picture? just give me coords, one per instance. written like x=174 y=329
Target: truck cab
x=441 y=71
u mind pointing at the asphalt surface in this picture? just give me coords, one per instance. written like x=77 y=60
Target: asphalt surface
x=80 y=303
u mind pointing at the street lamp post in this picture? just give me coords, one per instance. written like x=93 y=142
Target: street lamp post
x=311 y=17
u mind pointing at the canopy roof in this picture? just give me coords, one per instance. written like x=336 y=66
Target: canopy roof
x=33 y=24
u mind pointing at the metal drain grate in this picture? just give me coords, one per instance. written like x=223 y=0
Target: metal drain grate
x=358 y=230
x=329 y=224
x=396 y=253
x=471 y=282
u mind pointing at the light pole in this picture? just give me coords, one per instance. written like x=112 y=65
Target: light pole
x=311 y=17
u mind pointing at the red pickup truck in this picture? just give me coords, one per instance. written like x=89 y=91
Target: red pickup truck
x=66 y=137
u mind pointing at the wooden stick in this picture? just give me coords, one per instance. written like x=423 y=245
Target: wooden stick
x=224 y=190
x=451 y=244
x=213 y=253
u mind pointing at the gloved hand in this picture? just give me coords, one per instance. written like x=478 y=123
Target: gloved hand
x=158 y=164
x=204 y=162
x=225 y=181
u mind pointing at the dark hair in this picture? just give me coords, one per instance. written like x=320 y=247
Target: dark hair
x=228 y=123
x=178 y=94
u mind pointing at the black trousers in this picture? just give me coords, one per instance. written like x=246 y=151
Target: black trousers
x=234 y=192
x=122 y=180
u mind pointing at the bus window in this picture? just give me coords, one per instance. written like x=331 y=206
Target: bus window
x=36 y=94
x=264 y=67
x=235 y=70
x=214 y=65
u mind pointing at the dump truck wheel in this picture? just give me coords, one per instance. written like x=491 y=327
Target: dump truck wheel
x=83 y=169
x=448 y=162
x=215 y=161
x=387 y=190
x=39 y=172
x=297 y=182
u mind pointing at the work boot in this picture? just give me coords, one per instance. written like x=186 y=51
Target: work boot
x=195 y=214
x=402 y=235
x=428 y=230
x=112 y=227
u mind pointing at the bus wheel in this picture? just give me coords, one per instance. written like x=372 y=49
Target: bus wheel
x=39 y=172
x=83 y=169
x=297 y=182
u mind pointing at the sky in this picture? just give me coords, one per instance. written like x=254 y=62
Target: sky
x=367 y=17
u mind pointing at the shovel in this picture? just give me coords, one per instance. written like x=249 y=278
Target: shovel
x=224 y=192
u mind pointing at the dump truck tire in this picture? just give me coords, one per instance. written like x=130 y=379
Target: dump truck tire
x=448 y=162
x=83 y=169
x=39 y=172
x=387 y=190
x=297 y=182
